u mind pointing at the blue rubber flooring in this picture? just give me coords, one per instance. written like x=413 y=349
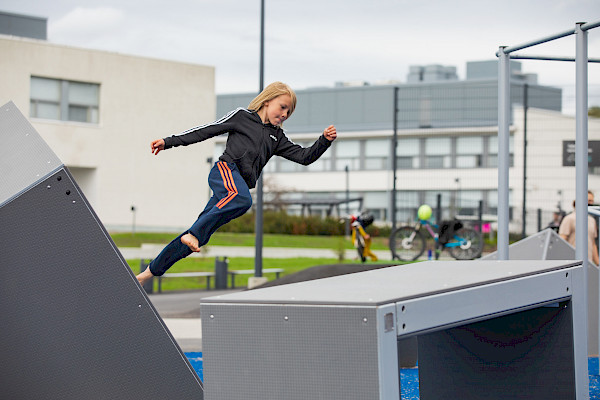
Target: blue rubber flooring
x=409 y=377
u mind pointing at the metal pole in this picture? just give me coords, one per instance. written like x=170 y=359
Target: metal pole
x=524 y=216
x=438 y=209
x=480 y=217
x=503 y=142
x=549 y=58
x=394 y=157
x=590 y=25
x=508 y=50
x=581 y=149
x=133 y=220
x=347 y=200
x=581 y=160
x=258 y=224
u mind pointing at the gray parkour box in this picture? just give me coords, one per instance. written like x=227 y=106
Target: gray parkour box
x=76 y=324
x=506 y=328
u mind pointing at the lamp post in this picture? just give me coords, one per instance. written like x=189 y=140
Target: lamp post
x=347 y=200
x=258 y=225
x=133 y=220
x=394 y=159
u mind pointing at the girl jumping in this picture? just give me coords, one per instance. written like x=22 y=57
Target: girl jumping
x=255 y=135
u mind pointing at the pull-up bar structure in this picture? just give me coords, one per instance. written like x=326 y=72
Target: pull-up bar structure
x=581 y=60
x=581 y=137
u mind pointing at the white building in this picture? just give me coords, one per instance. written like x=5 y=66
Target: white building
x=99 y=112
x=447 y=145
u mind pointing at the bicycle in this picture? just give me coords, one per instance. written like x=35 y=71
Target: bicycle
x=360 y=238
x=407 y=243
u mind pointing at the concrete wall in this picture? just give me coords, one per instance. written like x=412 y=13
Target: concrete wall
x=141 y=99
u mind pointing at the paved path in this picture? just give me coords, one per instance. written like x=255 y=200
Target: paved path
x=152 y=250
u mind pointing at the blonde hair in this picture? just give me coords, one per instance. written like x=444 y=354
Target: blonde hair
x=272 y=91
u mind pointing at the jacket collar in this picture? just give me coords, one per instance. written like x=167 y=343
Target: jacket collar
x=267 y=124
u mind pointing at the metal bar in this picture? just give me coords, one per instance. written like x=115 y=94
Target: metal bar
x=581 y=149
x=581 y=160
x=394 y=157
x=258 y=223
x=503 y=156
x=550 y=58
x=510 y=49
x=590 y=25
x=524 y=211
x=480 y=217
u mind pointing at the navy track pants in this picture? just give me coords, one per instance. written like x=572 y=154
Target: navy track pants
x=231 y=199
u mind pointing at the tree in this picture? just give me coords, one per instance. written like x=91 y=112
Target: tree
x=594 y=111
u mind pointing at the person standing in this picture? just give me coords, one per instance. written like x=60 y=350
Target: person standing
x=567 y=230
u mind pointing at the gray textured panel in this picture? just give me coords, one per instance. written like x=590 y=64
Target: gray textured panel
x=548 y=245
x=289 y=352
x=544 y=245
x=76 y=324
x=26 y=158
x=485 y=360
x=395 y=283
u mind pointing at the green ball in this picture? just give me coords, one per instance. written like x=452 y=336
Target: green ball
x=424 y=212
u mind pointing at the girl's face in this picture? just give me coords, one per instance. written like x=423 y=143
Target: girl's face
x=277 y=110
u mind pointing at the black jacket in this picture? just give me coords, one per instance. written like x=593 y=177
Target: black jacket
x=251 y=143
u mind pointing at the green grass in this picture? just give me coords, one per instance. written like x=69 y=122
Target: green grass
x=207 y=264
x=247 y=239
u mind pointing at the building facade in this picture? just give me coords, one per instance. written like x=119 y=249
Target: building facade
x=99 y=111
x=447 y=145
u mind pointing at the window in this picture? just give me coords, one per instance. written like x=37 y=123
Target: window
x=407 y=153
x=431 y=199
x=469 y=150
x=376 y=154
x=64 y=100
x=322 y=164
x=45 y=98
x=377 y=204
x=467 y=201
x=218 y=151
x=493 y=151
x=287 y=165
x=437 y=152
x=407 y=203
x=347 y=154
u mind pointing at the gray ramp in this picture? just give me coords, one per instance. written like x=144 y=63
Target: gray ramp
x=26 y=158
x=76 y=324
x=544 y=245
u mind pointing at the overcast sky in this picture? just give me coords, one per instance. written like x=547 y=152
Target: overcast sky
x=318 y=42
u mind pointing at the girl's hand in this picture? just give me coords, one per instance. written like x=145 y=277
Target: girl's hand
x=157 y=145
x=330 y=133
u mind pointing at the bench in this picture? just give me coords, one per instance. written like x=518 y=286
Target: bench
x=233 y=273
x=208 y=275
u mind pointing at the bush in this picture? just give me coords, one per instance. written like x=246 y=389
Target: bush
x=279 y=222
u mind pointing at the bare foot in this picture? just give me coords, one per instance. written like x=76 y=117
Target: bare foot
x=145 y=276
x=190 y=241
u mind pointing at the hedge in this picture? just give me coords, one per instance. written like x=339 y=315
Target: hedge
x=280 y=222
